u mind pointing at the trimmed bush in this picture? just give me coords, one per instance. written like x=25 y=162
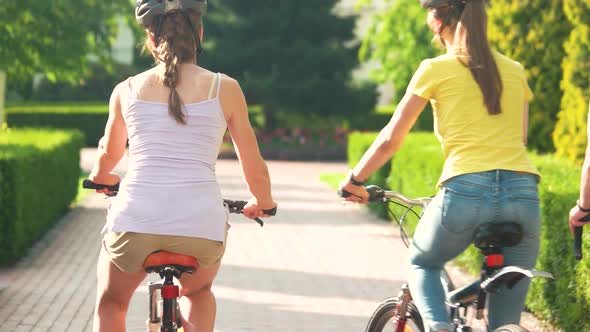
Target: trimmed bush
x=569 y=136
x=564 y=301
x=90 y=119
x=39 y=172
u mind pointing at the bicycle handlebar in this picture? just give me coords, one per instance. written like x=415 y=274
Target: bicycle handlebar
x=87 y=184
x=234 y=206
x=377 y=194
x=578 y=231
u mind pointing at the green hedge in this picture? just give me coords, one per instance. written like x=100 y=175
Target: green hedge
x=564 y=301
x=90 y=119
x=39 y=172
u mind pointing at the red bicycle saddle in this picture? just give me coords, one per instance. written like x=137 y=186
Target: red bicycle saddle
x=156 y=261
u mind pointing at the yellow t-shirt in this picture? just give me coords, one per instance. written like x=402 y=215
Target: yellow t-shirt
x=472 y=140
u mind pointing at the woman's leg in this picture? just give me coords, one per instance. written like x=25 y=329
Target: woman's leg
x=521 y=205
x=445 y=230
x=113 y=293
x=197 y=304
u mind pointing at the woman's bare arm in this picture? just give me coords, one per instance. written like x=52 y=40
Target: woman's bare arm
x=386 y=144
x=255 y=170
x=111 y=146
x=525 y=123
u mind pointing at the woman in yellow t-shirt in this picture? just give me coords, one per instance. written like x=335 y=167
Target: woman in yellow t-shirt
x=480 y=101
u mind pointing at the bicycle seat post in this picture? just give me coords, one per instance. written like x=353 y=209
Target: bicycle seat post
x=170 y=294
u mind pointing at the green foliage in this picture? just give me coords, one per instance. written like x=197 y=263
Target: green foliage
x=39 y=172
x=88 y=118
x=98 y=85
x=398 y=39
x=332 y=179
x=56 y=37
x=533 y=32
x=288 y=56
x=564 y=301
x=570 y=136
x=358 y=144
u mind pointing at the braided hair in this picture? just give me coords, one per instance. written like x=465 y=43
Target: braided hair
x=171 y=41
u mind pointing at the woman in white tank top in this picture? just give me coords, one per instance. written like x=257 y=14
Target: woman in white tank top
x=174 y=117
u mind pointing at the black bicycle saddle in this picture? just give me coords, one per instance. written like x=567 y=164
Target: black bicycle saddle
x=501 y=235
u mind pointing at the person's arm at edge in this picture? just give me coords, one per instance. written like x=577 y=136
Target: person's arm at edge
x=576 y=214
x=253 y=166
x=111 y=146
x=388 y=142
x=525 y=123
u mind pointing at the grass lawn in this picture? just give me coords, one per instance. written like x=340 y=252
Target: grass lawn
x=332 y=179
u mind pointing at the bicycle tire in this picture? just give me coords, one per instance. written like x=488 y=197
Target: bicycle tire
x=511 y=328
x=385 y=313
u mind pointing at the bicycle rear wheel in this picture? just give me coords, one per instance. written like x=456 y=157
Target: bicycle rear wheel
x=385 y=318
x=511 y=328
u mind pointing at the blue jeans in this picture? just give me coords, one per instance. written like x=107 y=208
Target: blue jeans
x=448 y=227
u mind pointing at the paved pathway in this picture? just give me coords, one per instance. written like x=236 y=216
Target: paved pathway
x=317 y=266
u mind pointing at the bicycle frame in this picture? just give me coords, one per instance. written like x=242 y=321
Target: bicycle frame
x=493 y=273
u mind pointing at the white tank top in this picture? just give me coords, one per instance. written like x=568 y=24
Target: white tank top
x=170 y=187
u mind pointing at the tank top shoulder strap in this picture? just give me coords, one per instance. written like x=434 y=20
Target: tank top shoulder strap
x=218 y=84
x=212 y=87
x=129 y=90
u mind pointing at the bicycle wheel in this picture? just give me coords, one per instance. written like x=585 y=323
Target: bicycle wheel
x=385 y=318
x=511 y=328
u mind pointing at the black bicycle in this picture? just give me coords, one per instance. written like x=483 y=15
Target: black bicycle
x=400 y=314
x=163 y=294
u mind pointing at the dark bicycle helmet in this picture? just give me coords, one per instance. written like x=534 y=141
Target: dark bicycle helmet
x=435 y=3
x=147 y=10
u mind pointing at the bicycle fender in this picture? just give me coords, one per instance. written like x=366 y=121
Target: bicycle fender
x=510 y=276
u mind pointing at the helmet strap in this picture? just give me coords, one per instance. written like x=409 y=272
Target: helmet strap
x=158 y=29
x=195 y=33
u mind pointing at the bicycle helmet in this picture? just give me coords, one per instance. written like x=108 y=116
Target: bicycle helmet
x=147 y=10
x=436 y=3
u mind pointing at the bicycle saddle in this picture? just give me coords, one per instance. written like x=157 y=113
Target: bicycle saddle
x=506 y=234
x=157 y=261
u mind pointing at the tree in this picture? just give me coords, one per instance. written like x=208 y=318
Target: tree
x=533 y=32
x=398 y=39
x=290 y=56
x=570 y=136
x=56 y=37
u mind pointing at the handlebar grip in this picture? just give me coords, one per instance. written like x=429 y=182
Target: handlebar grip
x=578 y=242
x=344 y=194
x=578 y=231
x=87 y=184
x=271 y=212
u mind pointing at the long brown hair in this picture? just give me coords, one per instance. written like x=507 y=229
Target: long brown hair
x=176 y=45
x=468 y=20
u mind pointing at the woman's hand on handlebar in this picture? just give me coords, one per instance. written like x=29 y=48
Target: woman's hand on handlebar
x=108 y=179
x=575 y=216
x=358 y=194
x=255 y=209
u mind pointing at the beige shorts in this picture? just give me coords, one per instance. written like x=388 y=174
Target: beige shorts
x=129 y=250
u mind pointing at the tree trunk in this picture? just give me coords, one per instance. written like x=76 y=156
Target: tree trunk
x=2 y=95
